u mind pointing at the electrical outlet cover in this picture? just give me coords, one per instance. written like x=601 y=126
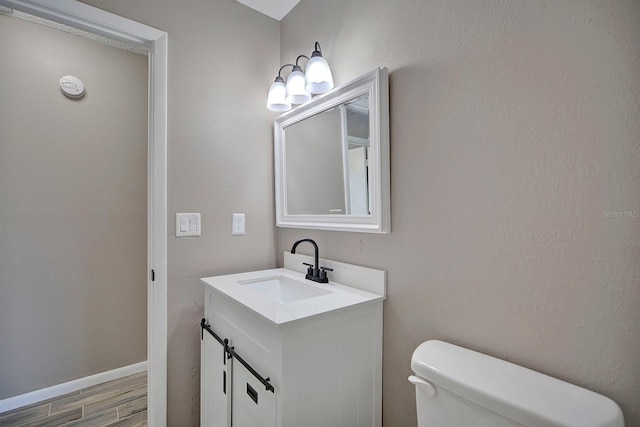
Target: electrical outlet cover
x=237 y=224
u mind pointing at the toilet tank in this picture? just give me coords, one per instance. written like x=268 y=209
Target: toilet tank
x=460 y=387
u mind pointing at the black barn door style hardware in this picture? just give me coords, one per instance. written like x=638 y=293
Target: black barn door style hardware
x=204 y=325
x=231 y=354
x=263 y=381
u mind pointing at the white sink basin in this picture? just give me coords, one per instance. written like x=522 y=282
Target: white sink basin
x=283 y=295
x=282 y=289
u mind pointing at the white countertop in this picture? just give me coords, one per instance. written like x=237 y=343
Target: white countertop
x=338 y=297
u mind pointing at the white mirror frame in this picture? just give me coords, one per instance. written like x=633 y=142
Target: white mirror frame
x=376 y=85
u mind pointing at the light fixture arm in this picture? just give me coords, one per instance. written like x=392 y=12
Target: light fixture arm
x=317 y=48
x=301 y=56
x=279 y=78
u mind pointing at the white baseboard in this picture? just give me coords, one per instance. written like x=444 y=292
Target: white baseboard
x=69 y=387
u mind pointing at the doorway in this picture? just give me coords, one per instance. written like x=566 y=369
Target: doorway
x=105 y=24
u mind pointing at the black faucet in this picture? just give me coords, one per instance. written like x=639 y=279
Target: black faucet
x=314 y=272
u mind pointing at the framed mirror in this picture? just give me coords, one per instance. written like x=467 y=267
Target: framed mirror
x=332 y=159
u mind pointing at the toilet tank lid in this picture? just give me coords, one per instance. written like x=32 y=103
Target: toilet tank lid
x=515 y=392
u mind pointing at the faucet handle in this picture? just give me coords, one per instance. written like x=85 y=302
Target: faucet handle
x=323 y=272
x=309 y=268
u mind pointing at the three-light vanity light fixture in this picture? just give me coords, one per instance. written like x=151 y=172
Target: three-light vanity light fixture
x=300 y=85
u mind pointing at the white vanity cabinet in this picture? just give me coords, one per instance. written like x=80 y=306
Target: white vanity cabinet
x=325 y=369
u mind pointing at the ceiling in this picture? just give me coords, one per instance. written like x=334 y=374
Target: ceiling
x=277 y=9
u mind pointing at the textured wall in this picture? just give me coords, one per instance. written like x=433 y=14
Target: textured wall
x=73 y=205
x=515 y=130
x=223 y=57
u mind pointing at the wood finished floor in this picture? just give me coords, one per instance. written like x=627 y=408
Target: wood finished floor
x=117 y=403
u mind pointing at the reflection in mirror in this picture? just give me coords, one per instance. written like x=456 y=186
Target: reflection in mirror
x=326 y=161
x=355 y=144
x=332 y=159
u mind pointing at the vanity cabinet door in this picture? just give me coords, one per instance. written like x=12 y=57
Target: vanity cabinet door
x=252 y=405
x=215 y=384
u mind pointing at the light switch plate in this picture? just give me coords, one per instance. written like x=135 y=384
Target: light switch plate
x=187 y=224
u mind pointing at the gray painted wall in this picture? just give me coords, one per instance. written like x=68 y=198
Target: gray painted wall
x=73 y=177
x=514 y=140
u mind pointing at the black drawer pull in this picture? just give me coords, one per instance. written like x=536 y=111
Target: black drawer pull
x=252 y=393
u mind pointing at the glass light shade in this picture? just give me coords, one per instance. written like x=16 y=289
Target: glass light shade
x=276 y=100
x=296 y=92
x=318 y=75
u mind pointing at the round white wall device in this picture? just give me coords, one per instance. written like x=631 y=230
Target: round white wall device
x=71 y=87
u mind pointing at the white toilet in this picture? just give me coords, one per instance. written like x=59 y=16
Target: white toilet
x=456 y=387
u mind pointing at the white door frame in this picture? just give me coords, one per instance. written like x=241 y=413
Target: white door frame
x=97 y=21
